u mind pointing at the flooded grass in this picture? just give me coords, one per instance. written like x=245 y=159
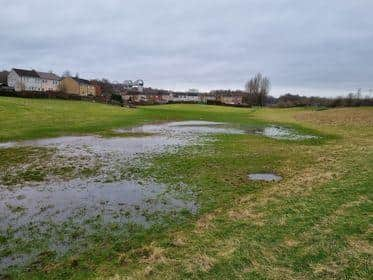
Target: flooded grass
x=103 y=195
x=180 y=205
x=85 y=205
x=103 y=190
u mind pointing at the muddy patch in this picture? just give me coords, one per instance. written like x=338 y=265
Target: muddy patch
x=266 y=177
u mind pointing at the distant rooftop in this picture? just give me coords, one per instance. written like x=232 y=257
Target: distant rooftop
x=81 y=81
x=48 y=76
x=26 y=73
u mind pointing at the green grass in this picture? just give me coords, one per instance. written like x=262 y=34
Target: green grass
x=315 y=224
x=33 y=118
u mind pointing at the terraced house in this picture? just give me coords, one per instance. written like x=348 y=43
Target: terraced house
x=24 y=80
x=31 y=80
x=74 y=85
x=49 y=81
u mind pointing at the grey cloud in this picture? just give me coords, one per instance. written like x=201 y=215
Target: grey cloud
x=312 y=47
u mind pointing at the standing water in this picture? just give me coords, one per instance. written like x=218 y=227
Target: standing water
x=61 y=214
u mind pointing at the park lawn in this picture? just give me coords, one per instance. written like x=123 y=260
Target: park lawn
x=34 y=118
x=315 y=224
x=22 y=119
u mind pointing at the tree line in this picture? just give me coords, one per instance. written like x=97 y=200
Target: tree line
x=257 y=94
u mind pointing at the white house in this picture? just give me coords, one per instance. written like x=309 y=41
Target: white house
x=49 y=81
x=21 y=80
x=185 y=97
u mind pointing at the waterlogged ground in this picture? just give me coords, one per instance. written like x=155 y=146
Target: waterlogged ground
x=85 y=186
x=189 y=209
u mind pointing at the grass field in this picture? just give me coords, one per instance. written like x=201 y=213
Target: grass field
x=314 y=224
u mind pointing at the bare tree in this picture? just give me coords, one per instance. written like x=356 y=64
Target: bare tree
x=257 y=89
x=358 y=93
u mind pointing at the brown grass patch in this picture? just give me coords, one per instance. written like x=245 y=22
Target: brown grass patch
x=291 y=242
x=204 y=223
x=331 y=269
x=227 y=247
x=50 y=267
x=360 y=245
x=301 y=183
x=253 y=216
x=151 y=254
x=123 y=258
x=281 y=272
x=340 y=116
x=115 y=277
x=324 y=226
x=201 y=262
x=179 y=240
x=273 y=272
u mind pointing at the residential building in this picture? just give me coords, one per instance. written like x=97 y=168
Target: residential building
x=136 y=97
x=208 y=98
x=148 y=96
x=187 y=97
x=49 y=81
x=77 y=86
x=167 y=97
x=98 y=90
x=231 y=99
x=24 y=80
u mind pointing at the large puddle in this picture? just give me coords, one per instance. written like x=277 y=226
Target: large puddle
x=59 y=202
x=165 y=135
x=36 y=210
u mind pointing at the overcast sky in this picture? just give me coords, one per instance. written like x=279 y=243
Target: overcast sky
x=319 y=47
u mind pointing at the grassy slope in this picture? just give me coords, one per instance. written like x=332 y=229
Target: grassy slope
x=32 y=118
x=314 y=224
